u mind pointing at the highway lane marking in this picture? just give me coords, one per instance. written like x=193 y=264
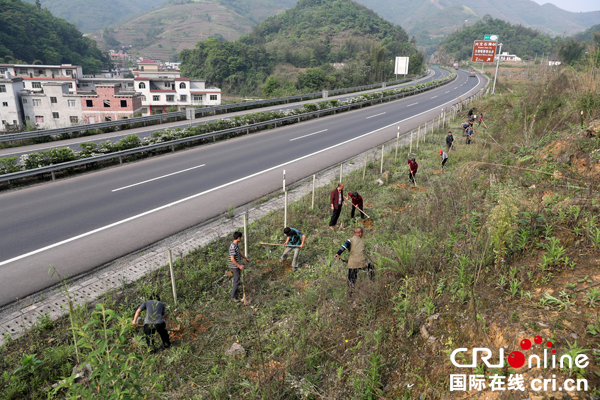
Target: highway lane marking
x=310 y=134
x=157 y=178
x=376 y=115
x=448 y=91
x=166 y=206
x=412 y=104
x=436 y=96
x=456 y=87
x=121 y=135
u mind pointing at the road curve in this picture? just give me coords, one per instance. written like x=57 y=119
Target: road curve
x=80 y=223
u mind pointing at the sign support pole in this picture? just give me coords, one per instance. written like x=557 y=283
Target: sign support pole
x=497 y=65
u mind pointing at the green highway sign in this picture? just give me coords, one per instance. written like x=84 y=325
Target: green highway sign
x=491 y=37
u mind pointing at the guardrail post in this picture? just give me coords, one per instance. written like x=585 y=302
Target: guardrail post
x=172 y=149
x=120 y=160
x=312 y=207
x=172 y=276
x=53 y=176
x=397 y=140
x=381 y=169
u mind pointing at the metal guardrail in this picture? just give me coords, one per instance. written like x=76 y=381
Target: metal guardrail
x=11 y=137
x=172 y=143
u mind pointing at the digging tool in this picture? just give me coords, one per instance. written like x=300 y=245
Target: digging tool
x=354 y=205
x=277 y=244
x=244 y=300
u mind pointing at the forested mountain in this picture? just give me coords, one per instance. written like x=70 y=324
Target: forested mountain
x=589 y=35
x=91 y=15
x=524 y=42
x=29 y=34
x=315 y=33
x=432 y=20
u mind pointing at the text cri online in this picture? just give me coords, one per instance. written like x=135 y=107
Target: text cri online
x=552 y=385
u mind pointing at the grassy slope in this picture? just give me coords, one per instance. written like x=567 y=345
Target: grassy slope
x=182 y=25
x=435 y=249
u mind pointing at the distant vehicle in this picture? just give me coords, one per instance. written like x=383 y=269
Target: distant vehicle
x=473 y=74
x=455 y=65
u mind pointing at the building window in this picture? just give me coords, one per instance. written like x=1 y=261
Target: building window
x=2 y=88
x=84 y=85
x=41 y=72
x=69 y=72
x=144 y=110
x=22 y=72
x=156 y=98
x=53 y=100
x=70 y=85
x=36 y=85
x=143 y=98
x=24 y=101
x=213 y=97
x=108 y=119
x=170 y=97
x=167 y=84
x=89 y=103
x=182 y=85
x=106 y=103
x=142 y=85
x=37 y=102
x=74 y=120
x=27 y=117
x=123 y=103
x=5 y=104
x=198 y=98
x=71 y=103
x=2 y=70
x=130 y=84
x=55 y=115
x=183 y=97
x=39 y=119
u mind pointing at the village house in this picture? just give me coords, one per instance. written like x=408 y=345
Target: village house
x=11 y=111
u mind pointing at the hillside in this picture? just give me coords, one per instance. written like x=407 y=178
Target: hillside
x=589 y=34
x=164 y=32
x=90 y=15
x=312 y=34
x=430 y=21
x=524 y=42
x=29 y=34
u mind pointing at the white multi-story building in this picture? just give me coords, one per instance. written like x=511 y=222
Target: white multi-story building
x=36 y=75
x=52 y=107
x=159 y=95
x=11 y=112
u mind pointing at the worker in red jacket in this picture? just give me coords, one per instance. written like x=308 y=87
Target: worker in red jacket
x=412 y=169
x=336 y=200
x=357 y=202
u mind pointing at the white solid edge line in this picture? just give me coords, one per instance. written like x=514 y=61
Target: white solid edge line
x=310 y=134
x=103 y=228
x=376 y=115
x=210 y=120
x=160 y=177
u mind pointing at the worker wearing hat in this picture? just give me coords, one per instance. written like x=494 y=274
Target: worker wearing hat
x=443 y=157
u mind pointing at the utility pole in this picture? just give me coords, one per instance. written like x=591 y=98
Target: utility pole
x=497 y=65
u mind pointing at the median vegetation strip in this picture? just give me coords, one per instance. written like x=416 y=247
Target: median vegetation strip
x=500 y=246
x=58 y=156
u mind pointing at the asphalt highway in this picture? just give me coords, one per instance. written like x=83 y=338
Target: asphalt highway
x=434 y=73
x=83 y=222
